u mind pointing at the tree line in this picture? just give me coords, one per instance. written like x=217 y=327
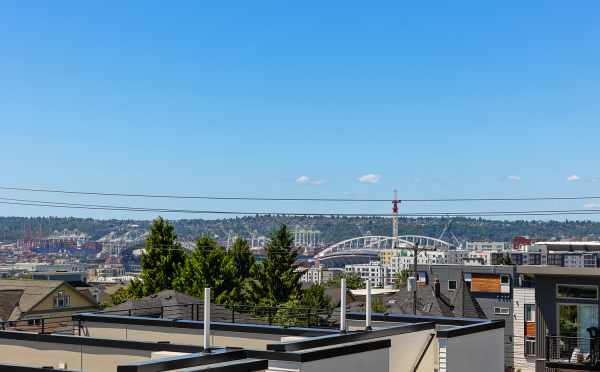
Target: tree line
x=234 y=276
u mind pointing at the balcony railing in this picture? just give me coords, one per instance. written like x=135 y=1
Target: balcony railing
x=252 y=314
x=575 y=351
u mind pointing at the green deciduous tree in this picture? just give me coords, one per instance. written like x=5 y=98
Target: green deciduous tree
x=275 y=280
x=401 y=279
x=353 y=281
x=378 y=306
x=314 y=297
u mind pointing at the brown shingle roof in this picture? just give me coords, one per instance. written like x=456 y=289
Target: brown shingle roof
x=34 y=291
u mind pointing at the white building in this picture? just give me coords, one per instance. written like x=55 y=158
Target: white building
x=487 y=246
x=379 y=275
x=320 y=275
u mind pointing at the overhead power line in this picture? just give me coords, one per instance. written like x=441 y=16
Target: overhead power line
x=51 y=204
x=293 y=199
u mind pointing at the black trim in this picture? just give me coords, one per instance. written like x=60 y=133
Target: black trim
x=569 y=366
x=470 y=329
x=402 y=318
x=186 y=361
x=349 y=337
x=100 y=342
x=16 y=368
x=215 y=326
x=309 y=356
x=247 y=365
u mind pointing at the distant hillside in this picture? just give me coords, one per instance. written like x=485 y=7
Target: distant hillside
x=332 y=229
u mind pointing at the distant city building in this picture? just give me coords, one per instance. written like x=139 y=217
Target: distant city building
x=320 y=275
x=487 y=246
x=379 y=275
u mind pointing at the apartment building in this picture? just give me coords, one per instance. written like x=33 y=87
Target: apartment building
x=379 y=275
x=320 y=275
x=491 y=290
x=567 y=305
x=487 y=246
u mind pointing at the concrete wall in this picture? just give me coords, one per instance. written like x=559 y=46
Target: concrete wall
x=182 y=336
x=473 y=353
x=76 y=357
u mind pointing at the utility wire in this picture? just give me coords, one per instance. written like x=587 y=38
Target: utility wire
x=252 y=198
x=51 y=204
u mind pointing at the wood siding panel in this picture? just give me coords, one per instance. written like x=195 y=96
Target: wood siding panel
x=530 y=329
x=489 y=283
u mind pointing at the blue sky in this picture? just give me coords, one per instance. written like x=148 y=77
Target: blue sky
x=446 y=99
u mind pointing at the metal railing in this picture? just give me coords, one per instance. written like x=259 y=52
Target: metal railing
x=573 y=350
x=42 y=325
x=249 y=314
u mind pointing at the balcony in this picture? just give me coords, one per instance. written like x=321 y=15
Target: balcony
x=573 y=353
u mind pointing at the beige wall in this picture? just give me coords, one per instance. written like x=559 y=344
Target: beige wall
x=407 y=348
x=182 y=336
x=93 y=358
x=46 y=306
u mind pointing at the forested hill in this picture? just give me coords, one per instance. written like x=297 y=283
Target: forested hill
x=332 y=229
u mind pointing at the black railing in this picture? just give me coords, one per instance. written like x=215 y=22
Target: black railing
x=573 y=350
x=250 y=314
x=43 y=325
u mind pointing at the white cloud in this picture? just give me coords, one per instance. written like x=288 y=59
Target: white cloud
x=592 y=206
x=305 y=180
x=573 y=177
x=370 y=178
x=514 y=178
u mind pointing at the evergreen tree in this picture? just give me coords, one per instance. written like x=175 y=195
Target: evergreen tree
x=244 y=260
x=275 y=279
x=162 y=260
x=208 y=266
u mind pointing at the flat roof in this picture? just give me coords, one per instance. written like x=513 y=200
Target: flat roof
x=592 y=244
x=558 y=270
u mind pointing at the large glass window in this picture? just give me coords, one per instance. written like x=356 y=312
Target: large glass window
x=581 y=292
x=573 y=321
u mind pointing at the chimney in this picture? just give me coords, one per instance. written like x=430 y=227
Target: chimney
x=436 y=288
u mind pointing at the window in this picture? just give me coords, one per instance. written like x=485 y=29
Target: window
x=504 y=279
x=529 y=346
x=529 y=312
x=451 y=285
x=580 y=292
x=502 y=311
x=61 y=300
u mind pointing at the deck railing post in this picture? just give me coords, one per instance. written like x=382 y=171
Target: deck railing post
x=206 y=320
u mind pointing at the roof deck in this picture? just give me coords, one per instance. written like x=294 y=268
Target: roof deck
x=123 y=343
